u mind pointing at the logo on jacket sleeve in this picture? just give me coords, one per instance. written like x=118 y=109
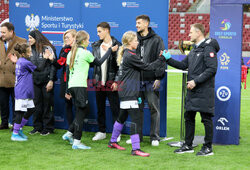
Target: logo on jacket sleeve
x=211 y=54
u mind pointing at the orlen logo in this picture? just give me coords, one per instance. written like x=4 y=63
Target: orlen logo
x=222 y=121
x=32 y=22
x=226 y=23
x=223 y=93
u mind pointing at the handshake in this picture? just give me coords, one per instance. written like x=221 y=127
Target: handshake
x=166 y=54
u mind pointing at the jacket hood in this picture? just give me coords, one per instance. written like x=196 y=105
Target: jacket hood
x=213 y=43
x=151 y=33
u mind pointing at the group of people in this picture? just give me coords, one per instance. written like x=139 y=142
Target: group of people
x=126 y=73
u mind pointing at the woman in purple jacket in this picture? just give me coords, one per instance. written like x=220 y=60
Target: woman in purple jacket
x=24 y=90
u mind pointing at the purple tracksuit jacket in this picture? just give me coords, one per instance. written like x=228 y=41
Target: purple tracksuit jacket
x=24 y=88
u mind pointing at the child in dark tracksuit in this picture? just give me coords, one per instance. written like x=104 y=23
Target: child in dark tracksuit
x=129 y=84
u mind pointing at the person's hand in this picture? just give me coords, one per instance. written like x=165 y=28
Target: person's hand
x=48 y=55
x=105 y=48
x=114 y=48
x=114 y=86
x=166 y=54
x=12 y=57
x=68 y=96
x=161 y=53
x=191 y=84
x=156 y=84
x=49 y=86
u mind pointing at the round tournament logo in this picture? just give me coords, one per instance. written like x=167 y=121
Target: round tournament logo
x=226 y=23
x=224 y=59
x=223 y=93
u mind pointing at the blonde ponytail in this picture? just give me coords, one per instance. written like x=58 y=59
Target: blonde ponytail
x=81 y=37
x=120 y=54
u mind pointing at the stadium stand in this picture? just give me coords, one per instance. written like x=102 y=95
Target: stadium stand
x=4 y=10
x=182 y=15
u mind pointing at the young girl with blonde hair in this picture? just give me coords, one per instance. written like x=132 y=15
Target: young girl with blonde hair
x=129 y=79
x=68 y=40
x=78 y=62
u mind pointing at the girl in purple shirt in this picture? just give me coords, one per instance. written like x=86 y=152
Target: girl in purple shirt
x=24 y=90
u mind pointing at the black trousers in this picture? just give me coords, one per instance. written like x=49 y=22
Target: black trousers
x=101 y=106
x=43 y=118
x=80 y=100
x=206 y=119
x=69 y=112
x=5 y=94
x=25 y=115
x=135 y=119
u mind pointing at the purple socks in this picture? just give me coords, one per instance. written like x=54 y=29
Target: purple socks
x=135 y=140
x=16 y=128
x=116 y=131
x=24 y=121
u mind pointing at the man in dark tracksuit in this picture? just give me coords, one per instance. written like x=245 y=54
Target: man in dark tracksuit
x=201 y=63
x=104 y=77
x=150 y=45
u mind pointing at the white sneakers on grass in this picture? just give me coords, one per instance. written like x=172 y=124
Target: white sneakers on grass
x=99 y=136
x=128 y=141
x=153 y=143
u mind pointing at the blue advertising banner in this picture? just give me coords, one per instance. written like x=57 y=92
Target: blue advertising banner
x=121 y=16
x=227 y=29
x=53 y=17
x=50 y=18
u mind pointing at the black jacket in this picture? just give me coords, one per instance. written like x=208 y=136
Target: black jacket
x=112 y=67
x=149 y=50
x=201 y=63
x=46 y=72
x=61 y=63
x=128 y=78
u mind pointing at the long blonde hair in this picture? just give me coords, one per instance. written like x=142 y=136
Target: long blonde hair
x=127 y=38
x=81 y=37
x=73 y=32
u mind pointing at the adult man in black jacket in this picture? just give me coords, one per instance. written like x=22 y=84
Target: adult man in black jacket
x=201 y=63
x=104 y=77
x=150 y=45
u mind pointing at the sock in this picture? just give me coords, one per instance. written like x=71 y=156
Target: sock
x=76 y=142
x=117 y=128
x=16 y=128
x=24 y=121
x=135 y=140
x=69 y=134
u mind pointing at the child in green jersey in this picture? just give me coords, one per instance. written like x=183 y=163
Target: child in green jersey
x=78 y=61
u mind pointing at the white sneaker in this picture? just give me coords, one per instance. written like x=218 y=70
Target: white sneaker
x=99 y=136
x=155 y=143
x=119 y=138
x=128 y=141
